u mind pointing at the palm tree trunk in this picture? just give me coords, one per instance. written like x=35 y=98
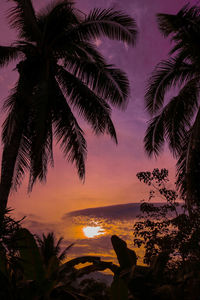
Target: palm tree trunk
x=9 y=157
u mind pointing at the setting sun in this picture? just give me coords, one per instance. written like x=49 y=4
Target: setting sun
x=92 y=231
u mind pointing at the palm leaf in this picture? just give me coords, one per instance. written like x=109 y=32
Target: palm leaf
x=22 y=163
x=184 y=29
x=68 y=132
x=7 y=54
x=188 y=165
x=40 y=159
x=106 y=81
x=63 y=254
x=188 y=48
x=174 y=120
x=179 y=113
x=84 y=50
x=168 y=24
x=94 y=109
x=183 y=53
x=14 y=128
x=55 y=19
x=166 y=74
x=9 y=157
x=154 y=137
x=64 y=48
x=107 y=22
x=22 y=17
x=181 y=167
x=41 y=133
x=50 y=248
x=179 y=23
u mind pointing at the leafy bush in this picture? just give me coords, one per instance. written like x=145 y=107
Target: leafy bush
x=166 y=227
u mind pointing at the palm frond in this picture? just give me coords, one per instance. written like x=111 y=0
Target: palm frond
x=9 y=156
x=179 y=113
x=50 y=248
x=57 y=9
x=187 y=47
x=14 y=158
x=22 y=164
x=181 y=166
x=188 y=170
x=168 y=24
x=39 y=160
x=174 y=120
x=63 y=254
x=182 y=21
x=93 y=108
x=83 y=49
x=7 y=54
x=55 y=19
x=107 y=22
x=47 y=246
x=184 y=29
x=166 y=74
x=41 y=134
x=17 y=112
x=106 y=81
x=68 y=132
x=154 y=137
x=184 y=53
x=86 y=50
x=28 y=104
x=22 y=17
x=193 y=163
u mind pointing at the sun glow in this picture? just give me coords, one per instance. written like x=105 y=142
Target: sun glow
x=92 y=231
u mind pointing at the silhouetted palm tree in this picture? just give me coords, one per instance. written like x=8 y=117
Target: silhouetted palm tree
x=50 y=248
x=59 y=69
x=177 y=119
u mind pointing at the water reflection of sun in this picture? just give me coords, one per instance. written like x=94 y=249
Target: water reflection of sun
x=93 y=231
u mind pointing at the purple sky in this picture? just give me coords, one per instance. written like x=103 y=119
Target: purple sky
x=111 y=169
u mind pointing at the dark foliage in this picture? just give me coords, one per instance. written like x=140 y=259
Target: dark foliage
x=176 y=120
x=8 y=230
x=166 y=228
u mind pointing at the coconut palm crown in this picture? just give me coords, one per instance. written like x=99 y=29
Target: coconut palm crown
x=49 y=248
x=60 y=70
x=177 y=119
